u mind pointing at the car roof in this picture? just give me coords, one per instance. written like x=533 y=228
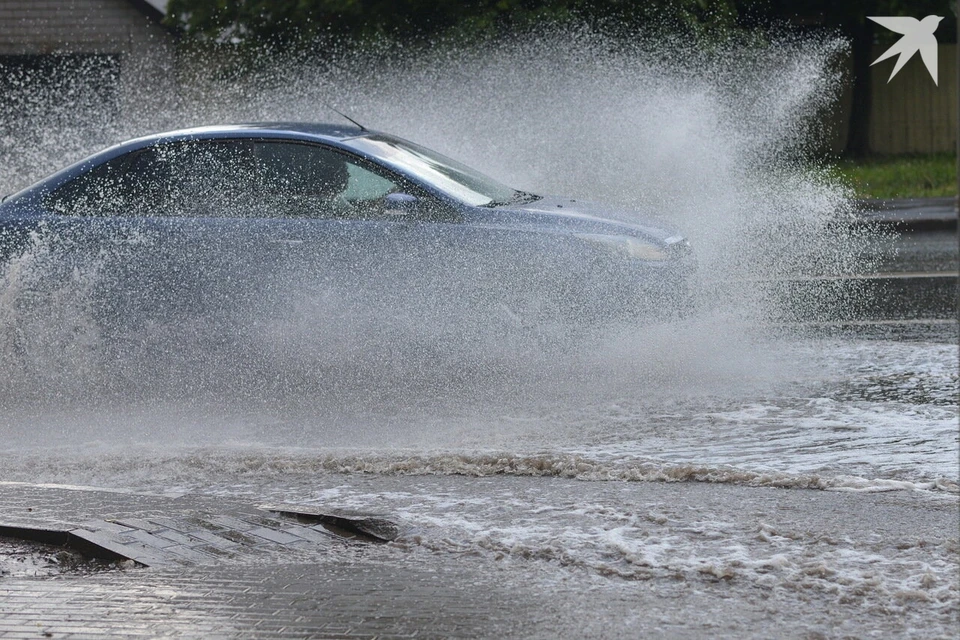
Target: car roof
x=321 y=131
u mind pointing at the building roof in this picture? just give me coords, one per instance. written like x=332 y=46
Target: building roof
x=156 y=9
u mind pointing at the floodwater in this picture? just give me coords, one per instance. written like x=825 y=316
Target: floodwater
x=659 y=451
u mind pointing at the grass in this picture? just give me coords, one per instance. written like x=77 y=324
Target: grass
x=906 y=176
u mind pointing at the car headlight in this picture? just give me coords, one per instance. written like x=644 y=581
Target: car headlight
x=626 y=246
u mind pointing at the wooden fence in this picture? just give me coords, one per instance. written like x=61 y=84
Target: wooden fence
x=909 y=114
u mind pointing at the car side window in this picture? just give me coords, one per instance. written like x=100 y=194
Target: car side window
x=366 y=186
x=197 y=179
x=208 y=178
x=307 y=180
x=234 y=178
x=98 y=192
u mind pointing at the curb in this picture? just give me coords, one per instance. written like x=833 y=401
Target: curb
x=911 y=214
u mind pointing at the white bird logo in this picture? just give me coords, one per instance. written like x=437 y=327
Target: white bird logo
x=917 y=36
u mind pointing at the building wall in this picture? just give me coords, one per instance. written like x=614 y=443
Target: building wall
x=116 y=29
x=76 y=75
x=75 y=26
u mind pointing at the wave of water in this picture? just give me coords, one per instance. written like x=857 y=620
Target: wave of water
x=870 y=415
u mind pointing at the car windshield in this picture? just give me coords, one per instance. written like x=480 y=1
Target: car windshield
x=444 y=174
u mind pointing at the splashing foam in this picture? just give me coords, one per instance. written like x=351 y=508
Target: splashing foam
x=712 y=142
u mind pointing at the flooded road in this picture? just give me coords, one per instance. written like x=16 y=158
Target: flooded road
x=781 y=463
x=812 y=495
x=802 y=485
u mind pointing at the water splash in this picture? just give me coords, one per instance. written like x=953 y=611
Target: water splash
x=717 y=143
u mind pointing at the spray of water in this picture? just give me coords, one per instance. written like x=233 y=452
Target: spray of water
x=718 y=143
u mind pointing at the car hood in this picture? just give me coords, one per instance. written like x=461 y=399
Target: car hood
x=584 y=217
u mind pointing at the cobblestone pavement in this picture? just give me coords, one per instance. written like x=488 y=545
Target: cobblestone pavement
x=222 y=568
x=328 y=599
x=259 y=574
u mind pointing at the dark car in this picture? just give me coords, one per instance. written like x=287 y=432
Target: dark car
x=222 y=217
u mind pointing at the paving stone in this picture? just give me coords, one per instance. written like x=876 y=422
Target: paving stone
x=103 y=525
x=321 y=536
x=216 y=541
x=140 y=524
x=230 y=523
x=133 y=552
x=177 y=537
x=274 y=535
x=182 y=526
x=148 y=539
x=192 y=554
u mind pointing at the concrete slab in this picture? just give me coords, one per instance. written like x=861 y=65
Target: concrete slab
x=193 y=531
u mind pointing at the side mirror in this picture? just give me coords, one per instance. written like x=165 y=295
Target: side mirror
x=400 y=204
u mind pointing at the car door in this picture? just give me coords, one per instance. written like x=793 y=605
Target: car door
x=345 y=246
x=151 y=224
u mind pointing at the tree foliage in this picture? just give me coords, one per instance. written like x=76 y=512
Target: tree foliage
x=288 y=22
x=285 y=23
